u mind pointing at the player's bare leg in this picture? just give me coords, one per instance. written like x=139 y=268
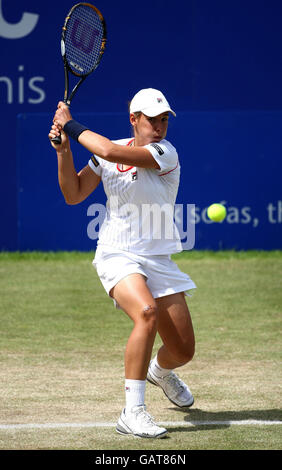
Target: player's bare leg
x=136 y=300
x=176 y=330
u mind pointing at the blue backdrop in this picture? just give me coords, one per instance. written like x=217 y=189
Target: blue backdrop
x=220 y=65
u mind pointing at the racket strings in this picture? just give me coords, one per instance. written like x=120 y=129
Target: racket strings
x=83 y=40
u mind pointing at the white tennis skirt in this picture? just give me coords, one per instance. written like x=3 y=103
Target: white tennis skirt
x=162 y=275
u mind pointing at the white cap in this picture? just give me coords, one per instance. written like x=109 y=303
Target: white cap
x=150 y=102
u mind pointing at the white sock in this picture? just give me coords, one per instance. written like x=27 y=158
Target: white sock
x=134 y=393
x=157 y=370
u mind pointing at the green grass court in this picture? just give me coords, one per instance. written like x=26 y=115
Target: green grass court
x=62 y=344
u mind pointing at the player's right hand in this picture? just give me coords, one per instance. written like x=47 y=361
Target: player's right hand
x=62 y=114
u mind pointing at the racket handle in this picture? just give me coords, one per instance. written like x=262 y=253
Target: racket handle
x=57 y=140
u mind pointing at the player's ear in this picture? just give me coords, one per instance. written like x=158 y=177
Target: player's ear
x=132 y=119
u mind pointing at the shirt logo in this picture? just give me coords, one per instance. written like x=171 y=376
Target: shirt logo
x=134 y=176
x=93 y=159
x=158 y=149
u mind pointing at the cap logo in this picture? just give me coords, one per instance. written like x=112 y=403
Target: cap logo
x=160 y=100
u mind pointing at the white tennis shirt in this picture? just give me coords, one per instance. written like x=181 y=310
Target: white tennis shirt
x=140 y=202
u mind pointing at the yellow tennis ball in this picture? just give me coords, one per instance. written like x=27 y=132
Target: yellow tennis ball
x=217 y=212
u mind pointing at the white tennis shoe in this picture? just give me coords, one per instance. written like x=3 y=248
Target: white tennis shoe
x=138 y=422
x=174 y=388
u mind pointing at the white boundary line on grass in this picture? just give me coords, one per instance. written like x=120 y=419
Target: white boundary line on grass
x=243 y=422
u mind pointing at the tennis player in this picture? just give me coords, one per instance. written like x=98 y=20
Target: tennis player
x=133 y=257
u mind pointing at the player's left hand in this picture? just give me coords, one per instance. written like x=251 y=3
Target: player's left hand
x=55 y=131
x=62 y=115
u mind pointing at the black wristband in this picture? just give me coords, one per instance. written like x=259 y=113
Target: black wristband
x=73 y=129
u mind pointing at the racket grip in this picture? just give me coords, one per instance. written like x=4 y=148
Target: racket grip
x=57 y=140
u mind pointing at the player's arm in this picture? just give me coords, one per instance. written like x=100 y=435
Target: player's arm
x=76 y=187
x=86 y=182
x=105 y=148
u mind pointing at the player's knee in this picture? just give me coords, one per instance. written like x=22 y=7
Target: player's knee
x=190 y=352
x=149 y=316
x=185 y=353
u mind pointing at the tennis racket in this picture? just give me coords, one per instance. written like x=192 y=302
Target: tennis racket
x=83 y=44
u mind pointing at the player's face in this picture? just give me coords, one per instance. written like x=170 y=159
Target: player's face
x=149 y=129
